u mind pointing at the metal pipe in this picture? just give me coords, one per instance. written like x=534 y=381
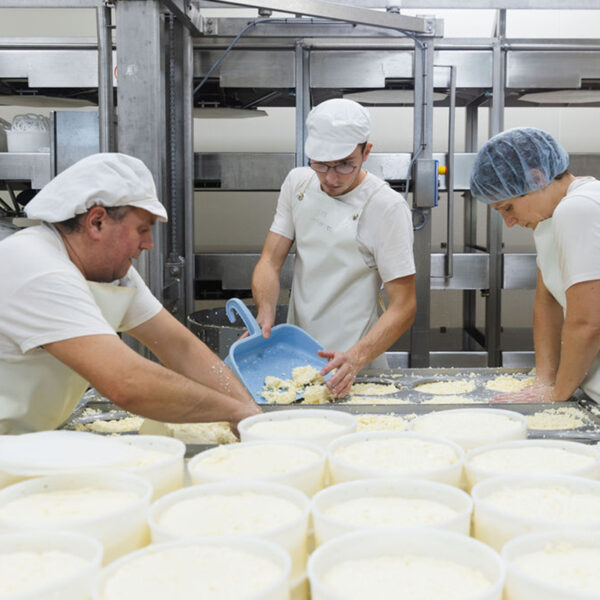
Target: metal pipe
x=106 y=107
x=449 y=266
x=302 y=101
x=188 y=167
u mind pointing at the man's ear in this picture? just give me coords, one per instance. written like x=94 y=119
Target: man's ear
x=367 y=151
x=95 y=221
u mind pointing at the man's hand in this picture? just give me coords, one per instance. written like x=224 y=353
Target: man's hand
x=537 y=392
x=347 y=367
x=266 y=320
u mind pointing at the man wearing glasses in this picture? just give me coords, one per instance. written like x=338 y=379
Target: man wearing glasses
x=353 y=233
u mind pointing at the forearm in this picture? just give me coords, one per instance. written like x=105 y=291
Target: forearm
x=547 y=325
x=153 y=391
x=580 y=345
x=265 y=287
x=195 y=361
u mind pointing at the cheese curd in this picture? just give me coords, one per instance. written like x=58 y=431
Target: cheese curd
x=458 y=386
x=304 y=375
x=557 y=418
x=112 y=426
x=507 y=383
x=210 y=573
x=218 y=432
x=450 y=400
x=471 y=423
x=563 y=565
x=279 y=391
x=405 y=576
x=317 y=394
x=26 y=571
x=254 y=460
x=373 y=422
x=398 y=455
x=45 y=508
x=381 y=510
x=533 y=459
x=295 y=427
x=557 y=504
x=372 y=389
x=245 y=513
x=376 y=400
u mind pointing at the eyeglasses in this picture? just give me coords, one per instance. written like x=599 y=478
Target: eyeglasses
x=341 y=168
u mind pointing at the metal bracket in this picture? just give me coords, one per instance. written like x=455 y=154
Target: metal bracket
x=425 y=178
x=174 y=288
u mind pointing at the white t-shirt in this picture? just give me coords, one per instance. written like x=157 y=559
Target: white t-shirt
x=568 y=251
x=44 y=298
x=385 y=233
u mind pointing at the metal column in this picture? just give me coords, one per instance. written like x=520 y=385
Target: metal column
x=422 y=149
x=141 y=101
x=106 y=109
x=302 y=56
x=494 y=221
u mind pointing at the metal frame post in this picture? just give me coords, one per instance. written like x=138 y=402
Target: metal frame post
x=302 y=63
x=422 y=149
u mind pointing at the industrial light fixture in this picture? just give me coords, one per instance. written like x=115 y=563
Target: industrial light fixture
x=563 y=97
x=385 y=96
x=217 y=112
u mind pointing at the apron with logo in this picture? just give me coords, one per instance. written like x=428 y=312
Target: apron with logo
x=42 y=392
x=334 y=293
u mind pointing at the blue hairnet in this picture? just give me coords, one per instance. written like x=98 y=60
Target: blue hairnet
x=516 y=162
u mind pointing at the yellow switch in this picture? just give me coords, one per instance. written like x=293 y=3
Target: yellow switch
x=442 y=170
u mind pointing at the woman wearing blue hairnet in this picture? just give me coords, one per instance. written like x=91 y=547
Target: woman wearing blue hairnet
x=523 y=173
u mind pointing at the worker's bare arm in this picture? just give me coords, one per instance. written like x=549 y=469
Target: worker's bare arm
x=181 y=351
x=580 y=340
x=265 y=279
x=142 y=386
x=547 y=325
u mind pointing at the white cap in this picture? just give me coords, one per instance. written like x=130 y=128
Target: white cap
x=335 y=127
x=106 y=179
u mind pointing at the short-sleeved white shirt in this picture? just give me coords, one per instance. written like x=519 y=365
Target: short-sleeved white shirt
x=385 y=233
x=568 y=247
x=44 y=298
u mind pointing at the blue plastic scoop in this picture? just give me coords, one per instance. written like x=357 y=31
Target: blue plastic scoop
x=254 y=357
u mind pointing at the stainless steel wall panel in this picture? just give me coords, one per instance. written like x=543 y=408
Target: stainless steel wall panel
x=550 y=69
x=34 y=167
x=244 y=170
x=471 y=272
x=519 y=271
x=267 y=170
x=258 y=68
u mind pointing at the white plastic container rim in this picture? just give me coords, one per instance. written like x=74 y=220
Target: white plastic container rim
x=100 y=479
x=85 y=547
x=422 y=541
x=520 y=431
x=365 y=436
x=347 y=420
x=448 y=495
x=230 y=489
x=54 y=452
x=574 y=447
x=533 y=542
x=484 y=488
x=174 y=450
x=198 y=458
x=254 y=545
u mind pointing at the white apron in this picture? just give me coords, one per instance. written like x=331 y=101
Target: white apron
x=42 y=392
x=548 y=263
x=334 y=293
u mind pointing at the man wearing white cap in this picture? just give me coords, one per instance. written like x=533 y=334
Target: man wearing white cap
x=68 y=285
x=353 y=233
